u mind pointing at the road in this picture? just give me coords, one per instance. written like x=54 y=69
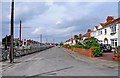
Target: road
x=55 y=62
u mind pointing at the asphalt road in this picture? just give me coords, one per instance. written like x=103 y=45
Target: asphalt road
x=55 y=62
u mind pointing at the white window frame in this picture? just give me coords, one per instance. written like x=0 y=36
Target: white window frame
x=113 y=29
x=114 y=42
x=105 y=31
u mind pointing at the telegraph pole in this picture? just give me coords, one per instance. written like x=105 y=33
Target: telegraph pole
x=20 y=29
x=12 y=33
x=53 y=41
x=40 y=38
x=6 y=40
x=46 y=41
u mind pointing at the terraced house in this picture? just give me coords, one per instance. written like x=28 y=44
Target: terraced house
x=108 y=32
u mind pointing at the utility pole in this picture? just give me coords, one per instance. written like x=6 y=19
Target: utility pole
x=40 y=38
x=20 y=30
x=12 y=33
x=6 y=40
x=71 y=39
x=46 y=41
x=53 y=41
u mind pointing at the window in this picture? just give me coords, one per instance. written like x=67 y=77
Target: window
x=100 y=32
x=105 y=31
x=114 y=42
x=113 y=29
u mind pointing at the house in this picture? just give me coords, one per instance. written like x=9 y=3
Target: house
x=79 y=38
x=86 y=35
x=70 y=41
x=108 y=32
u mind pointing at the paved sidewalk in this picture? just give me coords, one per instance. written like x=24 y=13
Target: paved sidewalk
x=101 y=62
x=107 y=56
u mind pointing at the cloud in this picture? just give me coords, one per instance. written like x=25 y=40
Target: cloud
x=53 y=31
x=56 y=19
x=62 y=0
x=27 y=11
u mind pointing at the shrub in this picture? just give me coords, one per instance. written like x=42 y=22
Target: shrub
x=66 y=45
x=78 y=46
x=89 y=42
x=97 y=51
x=93 y=43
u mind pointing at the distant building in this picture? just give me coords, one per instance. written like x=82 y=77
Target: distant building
x=86 y=35
x=70 y=41
x=108 y=32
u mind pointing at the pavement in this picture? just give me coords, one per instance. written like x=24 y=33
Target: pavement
x=103 y=61
x=57 y=62
x=107 y=56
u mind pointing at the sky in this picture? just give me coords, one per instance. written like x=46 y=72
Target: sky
x=55 y=20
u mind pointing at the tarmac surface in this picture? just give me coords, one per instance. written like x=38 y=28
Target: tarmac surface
x=58 y=62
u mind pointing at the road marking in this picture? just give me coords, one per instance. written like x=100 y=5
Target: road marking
x=50 y=72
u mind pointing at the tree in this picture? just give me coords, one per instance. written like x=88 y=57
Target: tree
x=15 y=42
x=8 y=40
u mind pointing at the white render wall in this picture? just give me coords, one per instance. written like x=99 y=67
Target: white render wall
x=108 y=35
x=70 y=42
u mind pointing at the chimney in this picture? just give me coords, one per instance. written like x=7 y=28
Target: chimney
x=109 y=18
x=80 y=35
x=89 y=30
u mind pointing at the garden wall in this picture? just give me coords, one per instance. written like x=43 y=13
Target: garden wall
x=86 y=52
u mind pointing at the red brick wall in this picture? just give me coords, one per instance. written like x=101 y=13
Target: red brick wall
x=86 y=52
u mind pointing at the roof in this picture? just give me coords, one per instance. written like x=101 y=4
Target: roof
x=88 y=34
x=89 y=30
x=113 y=21
x=96 y=27
x=102 y=24
x=110 y=20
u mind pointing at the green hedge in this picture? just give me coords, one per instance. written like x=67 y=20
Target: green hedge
x=66 y=45
x=97 y=51
x=78 y=46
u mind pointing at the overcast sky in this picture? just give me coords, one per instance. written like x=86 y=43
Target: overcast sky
x=56 y=20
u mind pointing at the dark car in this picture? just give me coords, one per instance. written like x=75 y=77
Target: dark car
x=105 y=47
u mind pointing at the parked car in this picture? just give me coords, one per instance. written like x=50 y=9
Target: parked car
x=106 y=47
